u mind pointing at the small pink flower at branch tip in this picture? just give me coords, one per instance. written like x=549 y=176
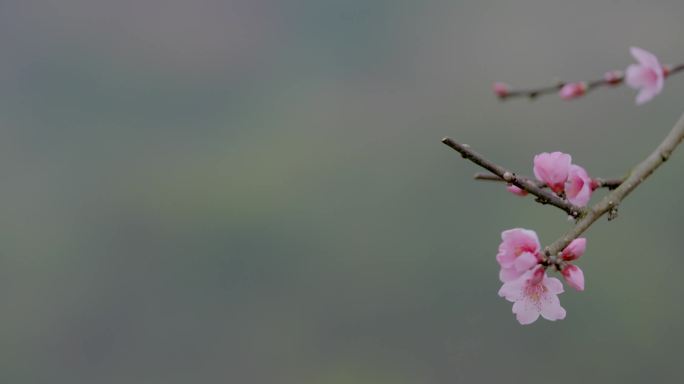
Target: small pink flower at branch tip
x=648 y=76
x=501 y=89
x=572 y=90
x=534 y=294
x=614 y=77
x=552 y=169
x=578 y=188
x=575 y=249
x=574 y=276
x=518 y=252
x=516 y=190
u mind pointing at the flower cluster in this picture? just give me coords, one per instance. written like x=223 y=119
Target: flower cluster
x=556 y=171
x=524 y=278
x=523 y=264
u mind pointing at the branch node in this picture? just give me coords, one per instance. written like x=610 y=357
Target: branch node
x=613 y=213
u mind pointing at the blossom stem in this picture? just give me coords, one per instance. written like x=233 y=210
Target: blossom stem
x=544 y=196
x=533 y=93
x=610 y=202
x=602 y=183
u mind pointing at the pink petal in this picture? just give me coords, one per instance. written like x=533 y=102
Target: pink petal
x=515 y=190
x=644 y=57
x=513 y=243
x=553 y=285
x=525 y=312
x=636 y=76
x=525 y=261
x=645 y=95
x=509 y=274
x=551 y=308
x=552 y=169
x=512 y=291
x=578 y=187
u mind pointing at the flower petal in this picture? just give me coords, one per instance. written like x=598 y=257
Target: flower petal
x=644 y=57
x=525 y=261
x=525 y=312
x=551 y=308
x=554 y=285
x=645 y=95
x=512 y=291
x=508 y=274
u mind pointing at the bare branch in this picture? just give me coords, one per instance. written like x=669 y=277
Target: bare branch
x=611 y=201
x=544 y=196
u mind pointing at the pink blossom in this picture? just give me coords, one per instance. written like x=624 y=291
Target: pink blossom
x=501 y=89
x=575 y=249
x=534 y=294
x=574 y=276
x=572 y=90
x=647 y=76
x=518 y=252
x=552 y=169
x=516 y=190
x=578 y=188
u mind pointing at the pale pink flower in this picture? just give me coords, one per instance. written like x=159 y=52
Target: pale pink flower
x=573 y=276
x=578 y=188
x=572 y=90
x=501 y=89
x=516 y=190
x=552 y=169
x=518 y=252
x=575 y=249
x=647 y=76
x=534 y=294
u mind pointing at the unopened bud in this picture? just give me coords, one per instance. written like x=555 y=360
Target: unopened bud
x=613 y=77
x=573 y=90
x=666 y=70
x=501 y=89
x=574 y=276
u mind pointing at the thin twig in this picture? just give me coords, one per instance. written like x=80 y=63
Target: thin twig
x=611 y=201
x=533 y=93
x=544 y=196
x=601 y=183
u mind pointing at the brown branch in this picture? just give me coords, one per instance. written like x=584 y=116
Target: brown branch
x=601 y=183
x=544 y=196
x=611 y=201
x=533 y=93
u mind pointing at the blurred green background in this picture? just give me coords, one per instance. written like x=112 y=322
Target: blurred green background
x=254 y=191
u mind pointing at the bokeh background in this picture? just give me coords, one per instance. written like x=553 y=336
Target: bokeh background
x=254 y=191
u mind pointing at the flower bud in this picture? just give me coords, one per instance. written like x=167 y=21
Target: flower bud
x=574 y=276
x=501 y=89
x=575 y=249
x=573 y=90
